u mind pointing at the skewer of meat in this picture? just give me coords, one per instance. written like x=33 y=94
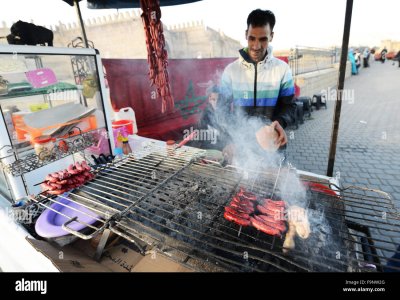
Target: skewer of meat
x=59 y=182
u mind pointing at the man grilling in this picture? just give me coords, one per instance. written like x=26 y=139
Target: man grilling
x=259 y=87
x=23 y=33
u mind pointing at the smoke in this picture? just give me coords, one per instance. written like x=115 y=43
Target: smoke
x=292 y=190
x=237 y=128
x=240 y=130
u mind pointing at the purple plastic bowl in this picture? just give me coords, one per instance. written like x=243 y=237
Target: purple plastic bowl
x=48 y=225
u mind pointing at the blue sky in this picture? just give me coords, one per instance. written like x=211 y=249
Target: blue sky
x=317 y=23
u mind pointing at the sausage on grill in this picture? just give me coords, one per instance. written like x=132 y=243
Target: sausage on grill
x=57 y=192
x=247 y=195
x=273 y=203
x=59 y=182
x=264 y=227
x=270 y=222
x=237 y=213
x=238 y=220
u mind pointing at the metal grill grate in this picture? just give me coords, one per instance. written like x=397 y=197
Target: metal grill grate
x=174 y=204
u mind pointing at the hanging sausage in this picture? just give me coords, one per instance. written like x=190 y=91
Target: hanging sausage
x=157 y=56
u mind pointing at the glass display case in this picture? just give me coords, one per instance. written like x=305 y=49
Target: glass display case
x=53 y=112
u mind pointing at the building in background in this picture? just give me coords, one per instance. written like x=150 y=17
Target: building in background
x=122 y=36
x=391 y=46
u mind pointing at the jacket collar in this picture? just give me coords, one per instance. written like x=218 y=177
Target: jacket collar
x=245 y=58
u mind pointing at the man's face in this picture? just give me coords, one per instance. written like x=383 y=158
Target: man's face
x=257 y=41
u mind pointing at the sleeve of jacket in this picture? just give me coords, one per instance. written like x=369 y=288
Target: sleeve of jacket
x=285 y=108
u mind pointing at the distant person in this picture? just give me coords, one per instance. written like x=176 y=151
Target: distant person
x=209 y=121
x=357 y=57
x=383 y=55
x=352 y=60
x=366 y=55
x=397 y=57
x=23 y=33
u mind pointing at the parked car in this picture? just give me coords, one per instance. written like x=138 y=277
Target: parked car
x=391 y=55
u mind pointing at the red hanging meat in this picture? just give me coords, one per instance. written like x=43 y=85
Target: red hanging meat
x=157 y=55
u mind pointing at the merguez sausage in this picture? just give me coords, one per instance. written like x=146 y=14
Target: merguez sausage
x=56 y=192
x=62 y=182
x=264 y=227
x=245 y=209
x=271 y=219
x=85 y=165
x=46 y=187
x=247 y=195
x=55 y=185
x=238 y=220
x=72 y=170
x=237 y=213
x=274 y=212
x=78 y=166
x=277 y=225
x=51 y=178
x=266 y=202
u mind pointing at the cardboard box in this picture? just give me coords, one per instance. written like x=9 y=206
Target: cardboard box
x=68 y=259
x=120 y=258
x=157 y=262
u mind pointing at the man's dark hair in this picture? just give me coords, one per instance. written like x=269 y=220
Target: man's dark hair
x=260 y=18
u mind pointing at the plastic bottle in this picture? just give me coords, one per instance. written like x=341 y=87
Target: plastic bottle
x=118 y=152
x=119 y=141
x=126 y=148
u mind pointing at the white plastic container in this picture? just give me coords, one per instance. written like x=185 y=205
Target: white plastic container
x=127 y=113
